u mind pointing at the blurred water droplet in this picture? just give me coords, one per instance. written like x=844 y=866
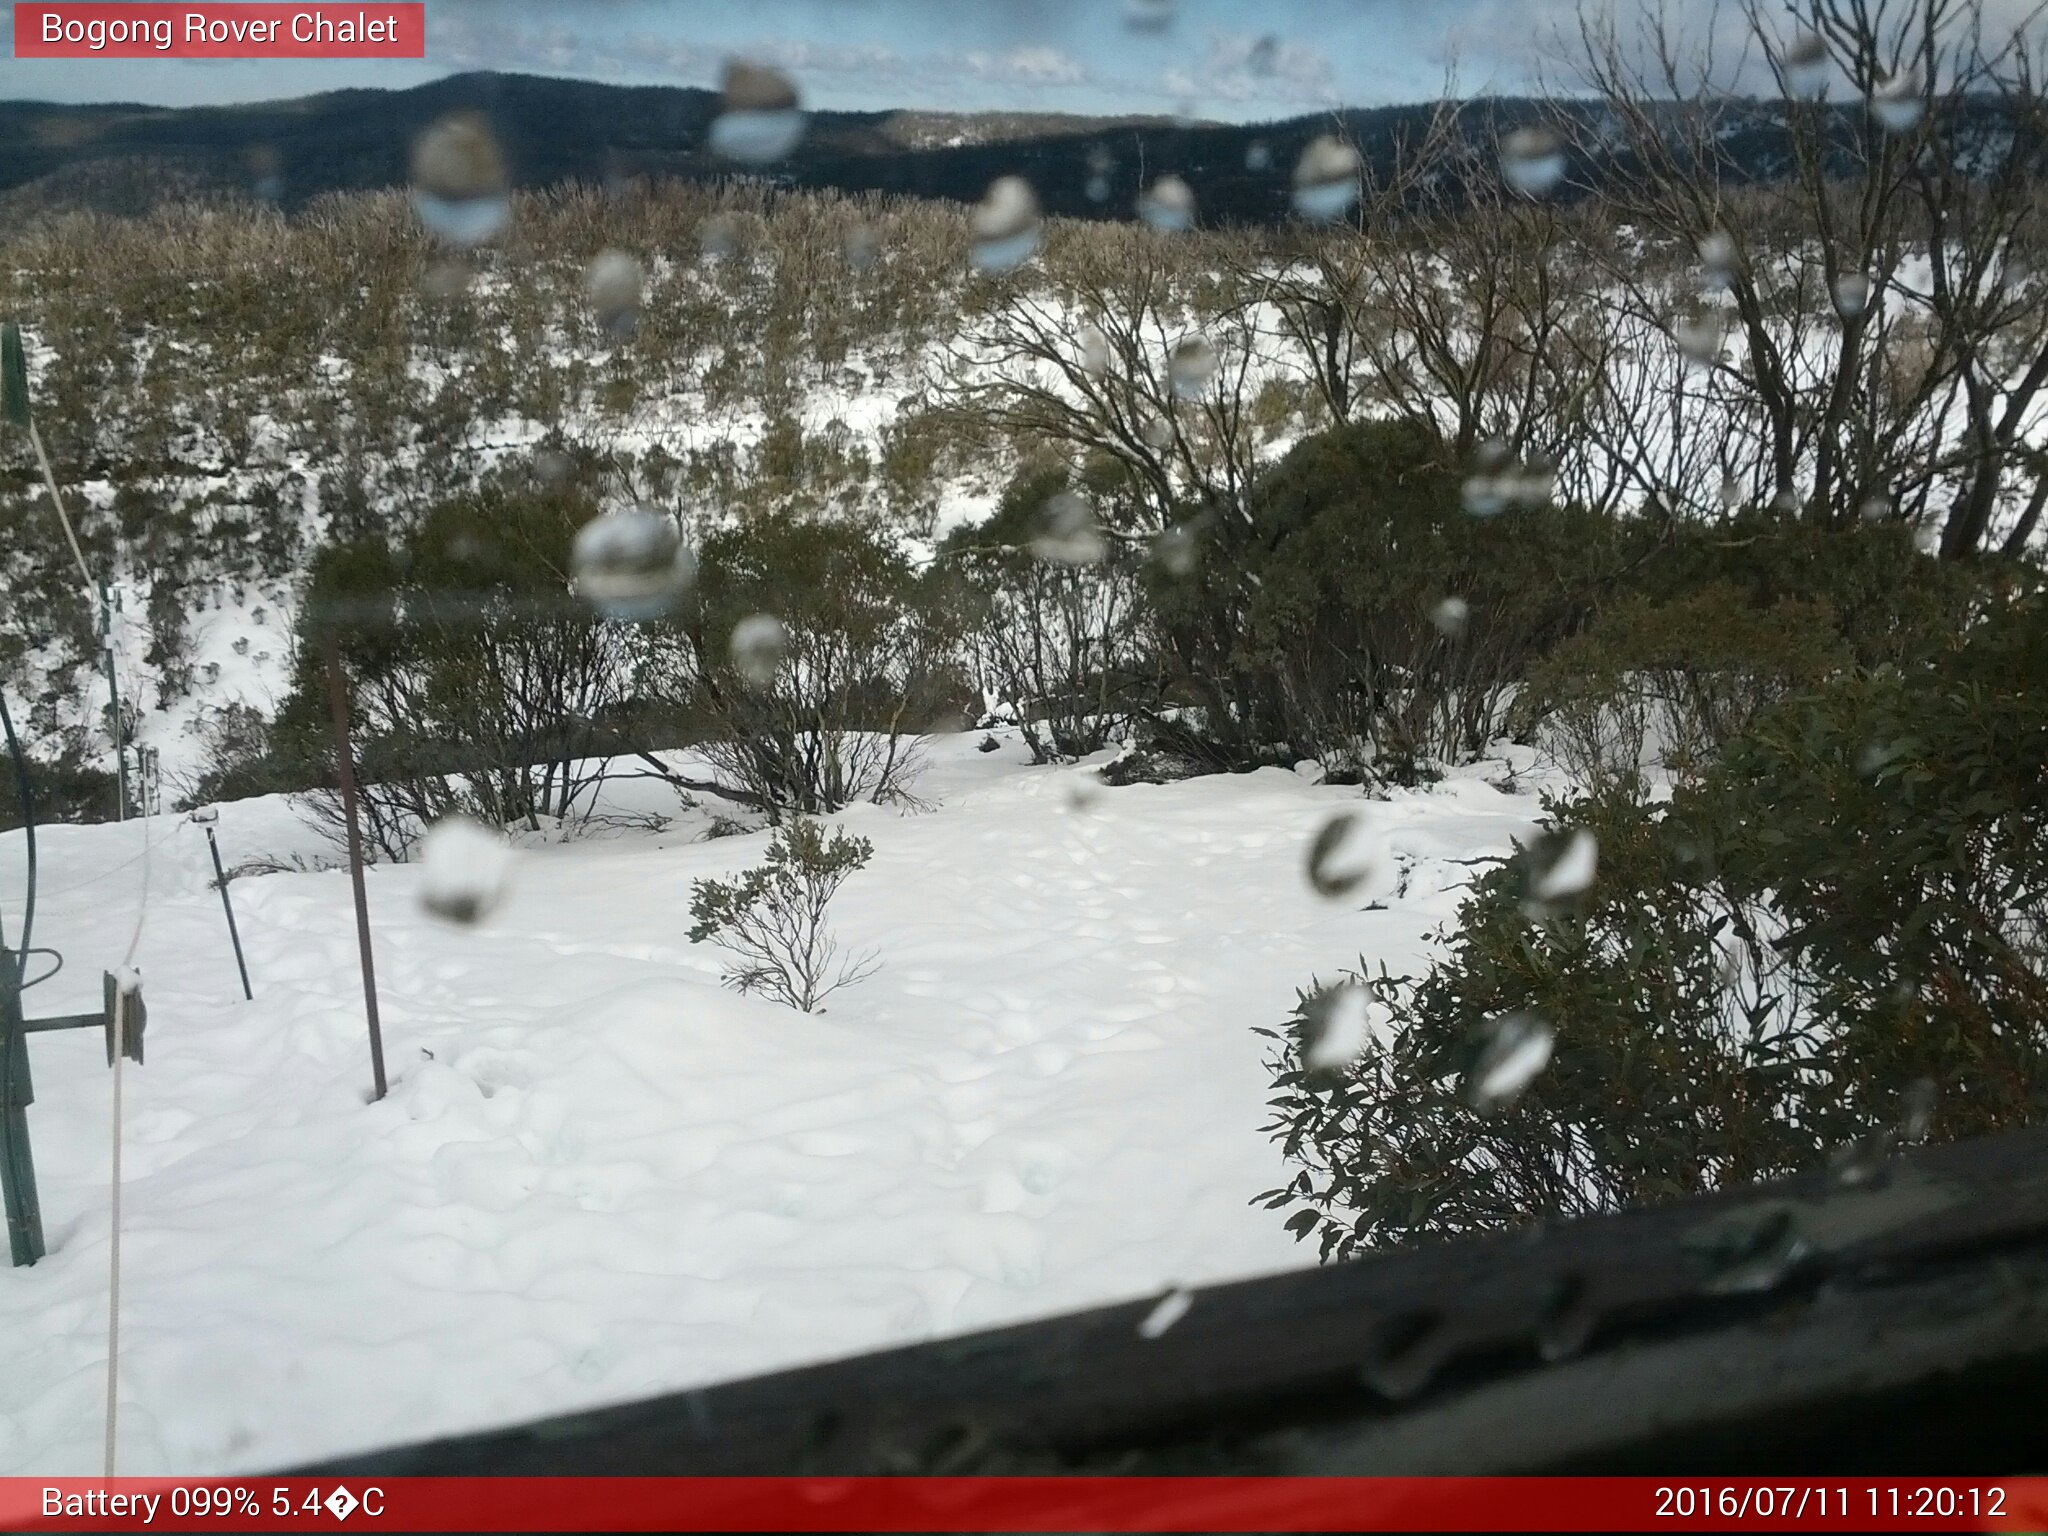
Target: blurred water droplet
x=460 y=186
x=1342 y=856
x=1532 y=161
x=1170 y=1309
x=1067 y=532
x=1852 y=294
x=1175 y=549
x=1148 y=15
x=1191 y=365
x=1699 y=339
x=1098 y=189
x=1258 y=157
x=445 y=281
x=1863 y=1163
x=1752 y=1250
x=266 y=172
x=759 y=644
x=465 y=871
x=1876 y=509
x=1340 y=1028
x=1006 y=225
x=1094 y=352
x=1563 y=866
x=631 y=564
x=1916 y=1110
x=760 y=118
x=863 y=247
x=1896 y=101
x=1513 y=1049
x=1168 y=204
x=1154 y=430
x=1806 y=64
x=1264 y=55
x=1569 y=1319
x=1407 y=1354
x=719 y=236
x=1490 y=487
x=1326 y=179
x=615 y=285
x=1717 y=260
x=1731 y=493
x=1451 y=616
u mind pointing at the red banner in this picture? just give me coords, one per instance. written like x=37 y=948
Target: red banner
x=1024 y=1504
x=92 y=29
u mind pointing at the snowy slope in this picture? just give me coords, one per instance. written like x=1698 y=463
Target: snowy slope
x=599 y=1174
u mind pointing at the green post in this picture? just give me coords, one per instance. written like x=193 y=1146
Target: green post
x=17 y=1166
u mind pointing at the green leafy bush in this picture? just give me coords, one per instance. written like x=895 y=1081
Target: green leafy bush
x=1671 y=683
x=1319 y=624
x=772 y=917
x=1844 y=908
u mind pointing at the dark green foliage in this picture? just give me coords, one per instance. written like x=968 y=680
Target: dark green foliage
x=868 y=666
x=64 y=788
x=772 y=917
x=477 y=683
x=1848 y=904
x=1674 y=681
x=1063 y=643
x=1312 y=626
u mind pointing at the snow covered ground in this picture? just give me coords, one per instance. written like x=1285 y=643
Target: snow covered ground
x=599 y=1174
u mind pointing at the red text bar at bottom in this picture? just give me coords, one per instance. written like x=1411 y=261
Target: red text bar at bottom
x=1023 y=1504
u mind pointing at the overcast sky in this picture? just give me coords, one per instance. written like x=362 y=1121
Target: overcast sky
x=1232 y=59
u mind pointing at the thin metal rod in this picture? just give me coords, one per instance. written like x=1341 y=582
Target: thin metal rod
x=17 y=1164
x=337 y=700
x=234 y=936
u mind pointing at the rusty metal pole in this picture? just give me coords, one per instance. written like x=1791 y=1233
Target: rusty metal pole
x=337 y=700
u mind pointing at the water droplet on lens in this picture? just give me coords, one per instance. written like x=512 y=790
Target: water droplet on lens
x=1006 y=225
x=1154 y=430
x=863 y=247
x=1514 y=1049
x=759 y=644
x=1864 y=1163
x=1896 y=102
x=1562 y=864
x=631 y=564
x=460 y=186
x=1569 y=1319
x=1068 y=533
x=1094 y=352
x=1876 y=509
x=1752 y=1250
x=615 y=285
x=1731 y=493
x=1852 y=294
x=1148 y=15
x=1264 y=55
x=719 y=236
x=266 y=172
x=1326 y=179
x=1806 y=64
x=464 y=871
x=1171 y=1308
x=1258 y=157
x=1339 y=1028
x=445 y=281
x=1699 y=339
x=760 y=120
x=1168 y=204
x=1408 y=1353
x=1916 y=1110
x=1175 y=549
x=1717 y=261
x=1342 y=856
x=1532 y=161
x=1191 y=366
x=1451 y=616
